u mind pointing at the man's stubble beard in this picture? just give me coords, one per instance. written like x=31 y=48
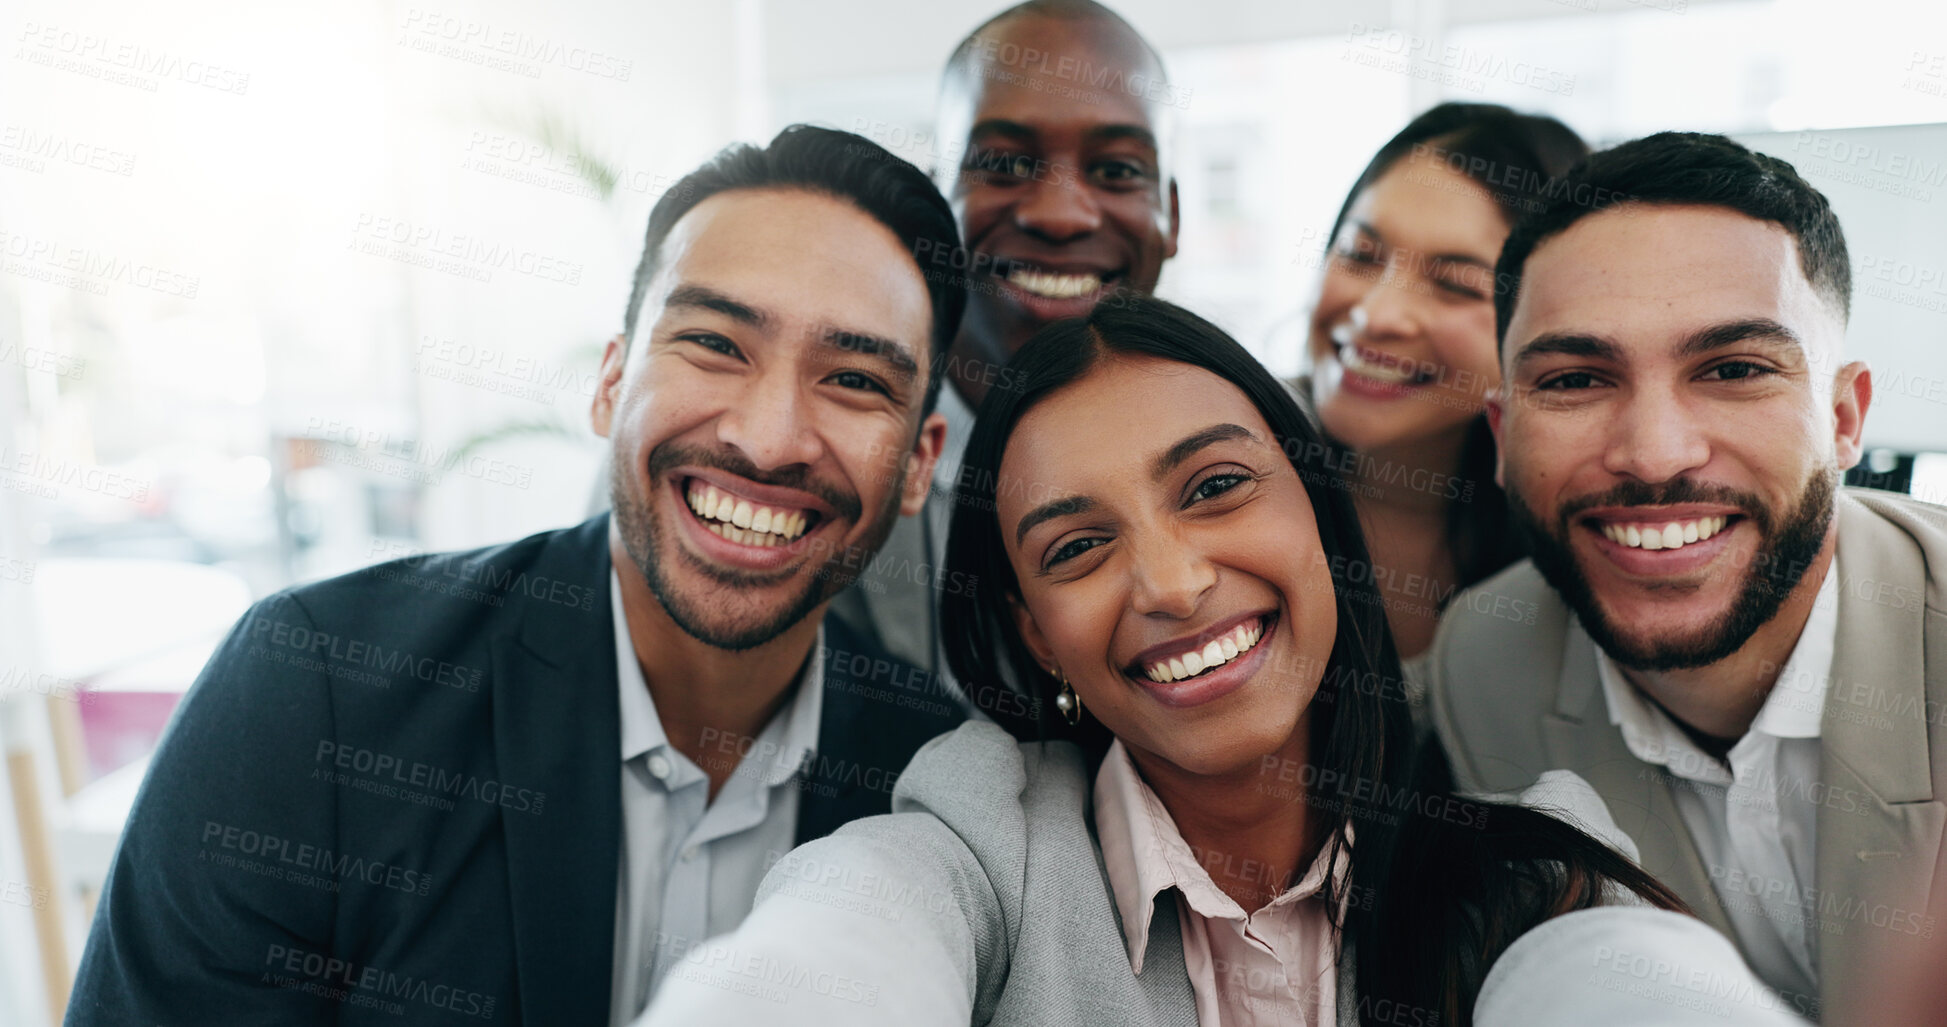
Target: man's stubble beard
x=644 y=535
x=1785 y=552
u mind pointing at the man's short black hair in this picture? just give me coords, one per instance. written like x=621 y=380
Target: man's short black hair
x=843 y=166
x=1685 y=168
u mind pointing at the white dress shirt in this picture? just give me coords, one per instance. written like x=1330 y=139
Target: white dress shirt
x=1755 y=821
x=690 y=866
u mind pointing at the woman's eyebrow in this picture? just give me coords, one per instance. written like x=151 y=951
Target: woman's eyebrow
x=1050 y=510
x=1196 y=440
x=1468 y=259
x=1160 y=468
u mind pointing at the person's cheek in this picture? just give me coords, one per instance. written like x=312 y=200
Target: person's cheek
x=664 y=410
x=1336 y=294
x=980 y=211
x=875 y=469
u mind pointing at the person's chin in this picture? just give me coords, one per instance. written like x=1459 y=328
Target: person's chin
x=1242 y=749
x=1369 y=428
x=1649 y=632
x=1234 y=735
x=737 y=618
x=1007 y=323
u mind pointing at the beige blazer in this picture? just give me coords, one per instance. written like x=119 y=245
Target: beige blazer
x=1513 y=690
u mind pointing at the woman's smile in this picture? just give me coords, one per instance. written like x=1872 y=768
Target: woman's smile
x=1208 y=665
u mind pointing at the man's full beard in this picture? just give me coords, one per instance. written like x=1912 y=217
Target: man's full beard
x=1786 y=550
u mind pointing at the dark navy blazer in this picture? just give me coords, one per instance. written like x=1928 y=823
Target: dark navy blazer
x=394 y=797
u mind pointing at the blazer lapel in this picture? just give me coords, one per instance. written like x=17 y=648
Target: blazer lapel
x=865 y=735
x=848 y=777
x=557 y=731
x=1578 y=734
x=1879 y=823
x=1166 y=977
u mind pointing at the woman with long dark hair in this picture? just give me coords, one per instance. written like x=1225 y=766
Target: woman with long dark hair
x=1402 y=349
x=1208 y=809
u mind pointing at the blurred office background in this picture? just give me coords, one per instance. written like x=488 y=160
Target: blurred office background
x=287 y=289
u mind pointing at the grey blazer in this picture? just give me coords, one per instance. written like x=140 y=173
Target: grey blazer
x=983 y=899
x=1511 y=698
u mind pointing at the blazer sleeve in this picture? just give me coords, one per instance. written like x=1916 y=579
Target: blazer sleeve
x=1625 y=966
x=199 y=920
x=1564 y=795
x=887 y=923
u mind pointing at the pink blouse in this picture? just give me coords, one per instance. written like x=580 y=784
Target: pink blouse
x=1274 y=966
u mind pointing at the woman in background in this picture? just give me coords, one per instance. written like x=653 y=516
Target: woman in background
x=1402 y=347
x=1210 y=812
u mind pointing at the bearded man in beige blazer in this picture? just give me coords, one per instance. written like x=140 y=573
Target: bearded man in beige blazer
x=1747 y=661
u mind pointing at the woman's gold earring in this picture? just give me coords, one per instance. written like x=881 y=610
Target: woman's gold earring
x=1067 y=701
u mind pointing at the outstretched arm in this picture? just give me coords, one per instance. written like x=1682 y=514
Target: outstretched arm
x=889 y=922
x=1626 y=966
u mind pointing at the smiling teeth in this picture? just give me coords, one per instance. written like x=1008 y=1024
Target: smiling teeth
x=1219 y=652
x=1054 y=286
x=1670 y=535
x=1351 y=359
x=739 y=521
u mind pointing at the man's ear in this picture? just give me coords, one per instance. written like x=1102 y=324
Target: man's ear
x=1037 y=643
x=1176 y=223
x=1852 y=393
x=602 y=411
x=920 y=462
x=1496 y=411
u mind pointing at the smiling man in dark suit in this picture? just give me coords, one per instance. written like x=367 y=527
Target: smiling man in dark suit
x=516 y=784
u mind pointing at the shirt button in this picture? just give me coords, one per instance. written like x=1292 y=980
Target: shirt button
x=689 y=854
x=659 y=766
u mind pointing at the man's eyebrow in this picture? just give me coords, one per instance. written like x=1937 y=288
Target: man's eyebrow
x=1116 y=133
x=892 y=353
x=702 y=297
x=1569 y=344
x=1730 y=333
x=1195 y=441
x=1049 y=511
x=1002 y=127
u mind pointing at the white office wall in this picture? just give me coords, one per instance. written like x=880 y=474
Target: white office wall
x=1889 y=189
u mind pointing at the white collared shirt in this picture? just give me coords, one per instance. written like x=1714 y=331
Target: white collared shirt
x=689 y=866
x=1755 y=821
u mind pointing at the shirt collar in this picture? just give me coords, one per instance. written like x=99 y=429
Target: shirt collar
x=796 y=725
x=642 y=730
x=1797 y=699
x=1791 y=710
x=1145 y=855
